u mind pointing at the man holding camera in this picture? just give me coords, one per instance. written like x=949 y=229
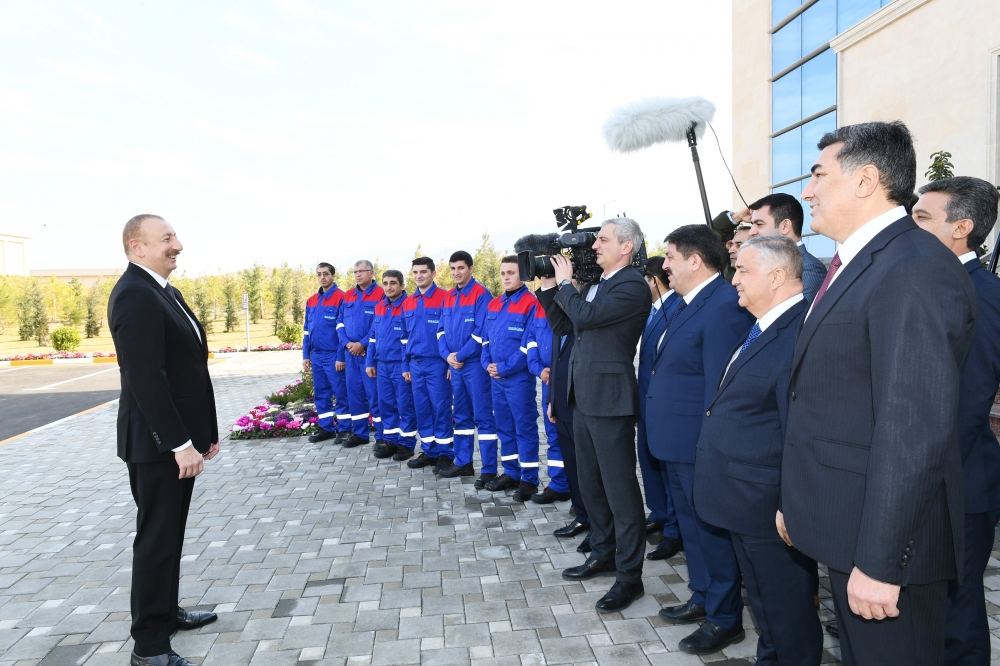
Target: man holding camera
x=606 y=321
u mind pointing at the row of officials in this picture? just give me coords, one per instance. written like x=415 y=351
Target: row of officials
x=800 y=414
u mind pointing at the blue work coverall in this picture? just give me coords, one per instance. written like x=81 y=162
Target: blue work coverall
x=431 y=393
x=355 y=324
x=385 y=354
x=322 y=348
x=539 y=347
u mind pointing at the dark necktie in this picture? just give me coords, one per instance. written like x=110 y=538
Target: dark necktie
x=754 y=334
x=834 y=267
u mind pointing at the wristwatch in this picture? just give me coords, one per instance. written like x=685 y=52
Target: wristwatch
x=565 y=282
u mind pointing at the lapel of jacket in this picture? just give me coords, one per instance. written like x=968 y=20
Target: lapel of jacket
x=203 y=340
x=688 y=312
x=859 y=264
x=170 y=301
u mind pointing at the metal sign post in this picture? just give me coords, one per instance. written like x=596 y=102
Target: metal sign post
x=246 y=317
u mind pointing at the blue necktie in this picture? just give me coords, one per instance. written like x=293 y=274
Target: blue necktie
x=754 y=334
x=652 y=316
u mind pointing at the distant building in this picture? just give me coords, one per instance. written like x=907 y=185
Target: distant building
x=87 y=276
x=801 y=69
x=13 y=254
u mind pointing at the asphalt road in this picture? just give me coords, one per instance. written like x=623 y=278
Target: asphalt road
x=33 y=396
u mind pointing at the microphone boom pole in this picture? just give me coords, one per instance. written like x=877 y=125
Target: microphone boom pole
x=693 y=145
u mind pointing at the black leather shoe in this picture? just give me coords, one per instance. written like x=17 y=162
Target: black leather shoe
x=193 y=619
x=322 y=435
x=653 y=526
x=665 y=549
x=423 y=460
x=524 y=492
x=166 y=659
x=402 y=453
x=548 y=496
x=683 y=614
x=709 y=638
x=589 y=569
x=443 y=462
x=571 y=529
x=353 y=441
x=833 y=629
x=383 y=450
x=502 y=482
x=453 y=470
x=585 y=546
x=483 y=480
x=619 y=597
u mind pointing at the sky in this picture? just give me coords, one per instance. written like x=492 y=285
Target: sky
x=296 y=131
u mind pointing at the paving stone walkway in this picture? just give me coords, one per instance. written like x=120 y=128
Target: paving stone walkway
x=315 y=554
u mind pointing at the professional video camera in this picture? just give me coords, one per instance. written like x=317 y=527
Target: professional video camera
x=534 y=251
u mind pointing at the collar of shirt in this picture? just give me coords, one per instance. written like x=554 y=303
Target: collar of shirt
x=368 y=290
x=869 y=230
x=658 y=303
x=160 y=280
x=967 y=257
x=467 y=288
x=608 y=276
x=399 y=299
x=774 y=313
x=516 y=294
x=428 y=292
x=799 y=243
x=690 y=296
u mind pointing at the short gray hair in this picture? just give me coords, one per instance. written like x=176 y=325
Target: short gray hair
x=133 y=228
x=364 y=262
x=777 y=252
x=626 y=229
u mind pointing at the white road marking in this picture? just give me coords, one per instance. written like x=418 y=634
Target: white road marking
x=67 y=381
x=11 y=369
x=62 y=420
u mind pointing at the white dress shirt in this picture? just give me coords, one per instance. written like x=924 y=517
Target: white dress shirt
x=688 y=297
x=864 y=235
x=769 y=318
x=967 y=257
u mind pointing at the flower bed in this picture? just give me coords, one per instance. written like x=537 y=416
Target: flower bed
x=267 y=421
x=39 y=357
x=285 y=346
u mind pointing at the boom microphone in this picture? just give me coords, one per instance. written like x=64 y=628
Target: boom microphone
x=537 y=243
x=650 y=121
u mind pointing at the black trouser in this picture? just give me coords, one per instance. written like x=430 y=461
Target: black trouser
x=162 y=501
x=605 y=456
x=967 y=639
x=915 y=637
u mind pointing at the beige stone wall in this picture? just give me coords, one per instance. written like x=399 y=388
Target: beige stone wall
x=932 y=66
x=751 y=98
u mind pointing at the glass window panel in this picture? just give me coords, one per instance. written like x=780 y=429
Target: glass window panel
x=786 y=155
x=819 y=25
x=850 y=12
x=820 y=247
x=819 y=83
x=782 y=8
x=786 y=45
x=786 y=100
x=812 y=132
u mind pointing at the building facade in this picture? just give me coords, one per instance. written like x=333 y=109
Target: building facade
x=801 y=69
x=13 y=254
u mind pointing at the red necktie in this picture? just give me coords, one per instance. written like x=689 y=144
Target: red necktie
x=834 y=267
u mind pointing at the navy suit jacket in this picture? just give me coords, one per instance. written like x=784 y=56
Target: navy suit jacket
x=650 y=335
x=871 y=475
x=687 y=367
x=737 y=471
x=813 y=274
x=980 y=377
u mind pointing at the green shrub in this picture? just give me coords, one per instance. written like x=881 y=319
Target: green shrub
x=289 y=333
x=65 y=338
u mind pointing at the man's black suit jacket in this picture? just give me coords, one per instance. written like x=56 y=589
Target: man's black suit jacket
x=602 y=378
x=871 y=475
x=737 y=469
x=166 y=396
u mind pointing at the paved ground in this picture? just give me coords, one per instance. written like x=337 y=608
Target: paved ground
x=314 y=554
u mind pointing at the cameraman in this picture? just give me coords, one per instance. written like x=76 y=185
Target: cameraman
x=606 y=321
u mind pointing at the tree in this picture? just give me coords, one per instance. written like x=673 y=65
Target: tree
x=486 y=265
x=75 y=307
x=35 y=323
x=229 y=289
x=92 y=325
x=25 y=327
x=941 y=166
x=203 y=306
x=298 y=311
x=280 y=289
x=253 y=282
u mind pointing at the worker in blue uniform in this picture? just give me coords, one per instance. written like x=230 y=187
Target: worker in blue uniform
x=355 y=324
x=424 y=368
x=460 y=343
x=384 y=363
x=323 y=354
x=509 y=320
x=539 y=347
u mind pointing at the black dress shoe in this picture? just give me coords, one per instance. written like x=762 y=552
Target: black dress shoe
x=709 y=638
x=833 y=629
x=483 y=480
x=443 y=462
x=571 y=529
x=548 y=496
x=589 y=569
x=383 y=450
x=402 y=453
x=665 y=549
x=166 y=659
x=322 y=435
x=653 y=526
x=585 y=546
x=619 y=597
x=353 y=441
x=453 y=470
x=193 y=619
x=502 y=482
x=524 y=492
x=683 y=614
x=423 y=460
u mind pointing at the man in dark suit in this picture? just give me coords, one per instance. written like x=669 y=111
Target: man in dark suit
x=738 y=466
x=780 y=214
x=662 y=517
x=871 y=474
x=690 y=357
x=961 y=212
x=167 y=428
x=606 y=322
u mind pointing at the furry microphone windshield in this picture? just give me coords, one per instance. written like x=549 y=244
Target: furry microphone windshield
x=650 y=121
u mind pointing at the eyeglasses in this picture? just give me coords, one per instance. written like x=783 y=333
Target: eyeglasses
x=363 y=270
